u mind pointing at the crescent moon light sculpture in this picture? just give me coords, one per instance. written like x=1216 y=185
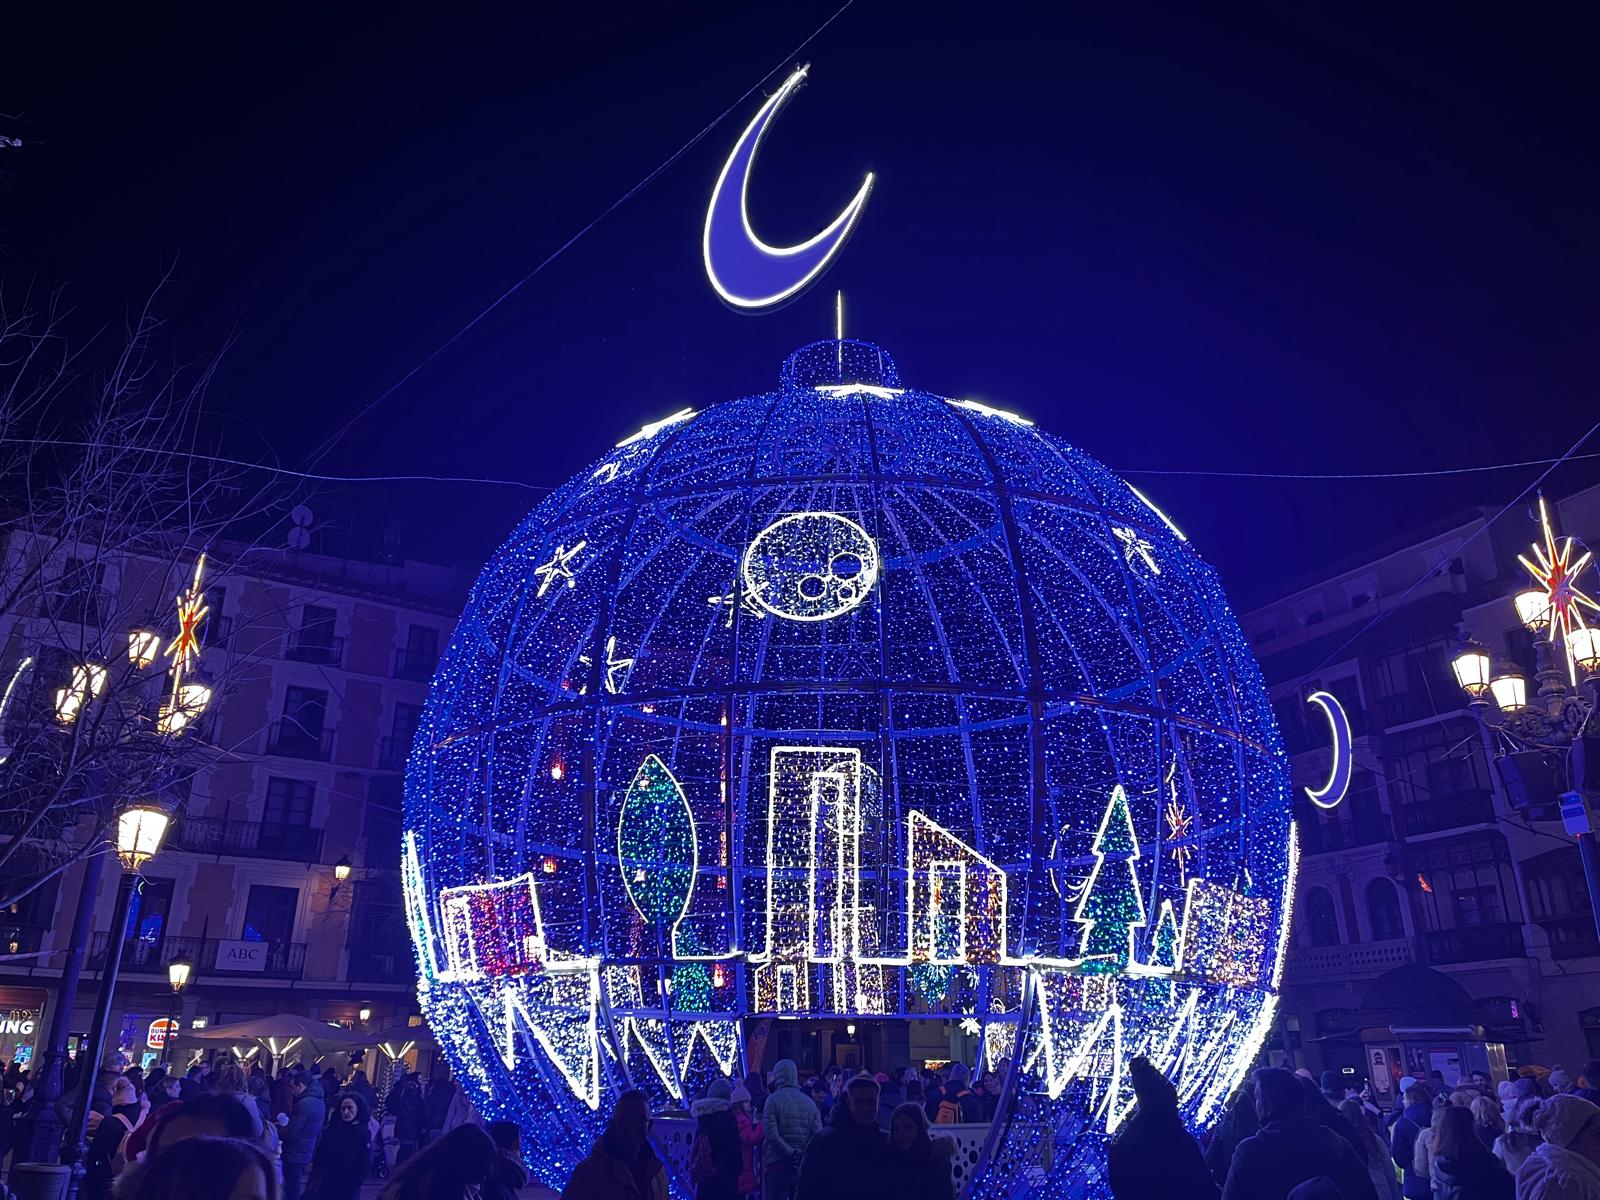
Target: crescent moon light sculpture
x=1331 y=793
x=747 y=273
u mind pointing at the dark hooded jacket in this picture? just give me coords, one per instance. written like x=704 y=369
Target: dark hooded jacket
x=715 y=1122
x=846 y=1161
x=344 y=1152
x=506 y=1178
x=1403 y=1142
x=404 y=1104
x=1471 y=1177
x=1154 y=1157
x=1289 y=1152
x=305 y=1123
x=922 y=1172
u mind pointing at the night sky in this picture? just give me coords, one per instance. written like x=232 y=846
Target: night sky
x=1302 y=238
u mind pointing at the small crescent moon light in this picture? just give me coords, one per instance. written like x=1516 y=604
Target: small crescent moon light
x=1331 y=793
x=747 y=273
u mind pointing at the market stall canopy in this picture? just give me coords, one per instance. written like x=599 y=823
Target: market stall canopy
x=280 y=1033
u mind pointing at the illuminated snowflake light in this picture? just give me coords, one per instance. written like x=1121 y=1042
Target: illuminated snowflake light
x=852 y=702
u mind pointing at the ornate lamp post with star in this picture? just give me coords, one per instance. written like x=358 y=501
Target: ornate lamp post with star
x=140 y=826
x=1567 y=657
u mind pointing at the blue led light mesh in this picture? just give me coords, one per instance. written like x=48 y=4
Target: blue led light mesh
x=848 y=700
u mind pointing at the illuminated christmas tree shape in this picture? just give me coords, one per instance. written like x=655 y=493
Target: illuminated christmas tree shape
x=1111 y=907
x=655 y=845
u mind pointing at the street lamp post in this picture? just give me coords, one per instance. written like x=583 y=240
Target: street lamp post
x=1554 y=718
x=140 y=828
x=178 y=971
x=39 y=1130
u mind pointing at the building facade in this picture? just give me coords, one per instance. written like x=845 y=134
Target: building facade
x=1430 y=859
x=279 y=875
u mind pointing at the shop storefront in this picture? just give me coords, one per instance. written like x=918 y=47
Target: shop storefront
x=21 y=1023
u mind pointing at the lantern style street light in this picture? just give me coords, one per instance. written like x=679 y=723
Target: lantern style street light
x=140 y=829
x=1471 y=665
x=1567 y=669
x=178 y=972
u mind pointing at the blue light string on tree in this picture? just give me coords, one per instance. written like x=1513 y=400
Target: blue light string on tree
x=848 y=700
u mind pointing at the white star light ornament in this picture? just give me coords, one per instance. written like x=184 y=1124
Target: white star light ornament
x=559 y=567
x=983 y=409
x=1556 y=572
x=1135 y=549
x=649 y=431
x=616 y=669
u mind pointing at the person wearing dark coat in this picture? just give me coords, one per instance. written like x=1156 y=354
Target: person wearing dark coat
x=723 y=1155
x=301 y=1133
x=1154 y=1156
x=1320 y=1110
x=1239 y=1124
x=360 y=1085
x=344 y=1152
x=1463 y=1168
x=436 y=1106
x=622 y=1163
x=917 y=1169
x=404 y=1104
x=848 y=1160
x=1414 y=1118
x=508 y=1176
x=107 y=1140
x=1292 y=1148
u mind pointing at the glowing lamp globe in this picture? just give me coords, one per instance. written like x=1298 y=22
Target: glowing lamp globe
x=848 y=703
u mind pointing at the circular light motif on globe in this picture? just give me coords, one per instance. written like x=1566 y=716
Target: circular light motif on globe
x=810 y=566
x=848 y=703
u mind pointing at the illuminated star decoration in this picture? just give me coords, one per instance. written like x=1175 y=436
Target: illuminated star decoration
x=192 y=610
x=1135 y=549
x=559 y=567
x=616 y=668
x=1556 y=572
x=737 y=598
x=1178 y=822
x=970 y=1025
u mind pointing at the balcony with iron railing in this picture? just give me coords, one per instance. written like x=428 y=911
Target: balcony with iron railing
x=1344 y=829
x=251 y=839
x=1434 y=814
x=314 y=646
x=1474 y=943
x=22 y=939
x=1571 y=936
x=80 y=606
x=380 y=963
x=413 y=665
x=150 y=956
x=1359 y=960
x=293 y=740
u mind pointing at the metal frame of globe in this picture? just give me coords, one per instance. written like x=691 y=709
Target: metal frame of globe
x=526 y=753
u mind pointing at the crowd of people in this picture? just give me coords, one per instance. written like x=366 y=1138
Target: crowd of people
x=220 y=1130
x=224 y=1131
x=1287 y=1136
x=838 y=1137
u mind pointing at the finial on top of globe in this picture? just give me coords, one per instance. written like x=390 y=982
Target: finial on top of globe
x=848 y=703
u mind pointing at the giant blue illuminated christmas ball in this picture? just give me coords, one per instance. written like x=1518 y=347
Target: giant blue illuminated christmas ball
x=848 y=701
